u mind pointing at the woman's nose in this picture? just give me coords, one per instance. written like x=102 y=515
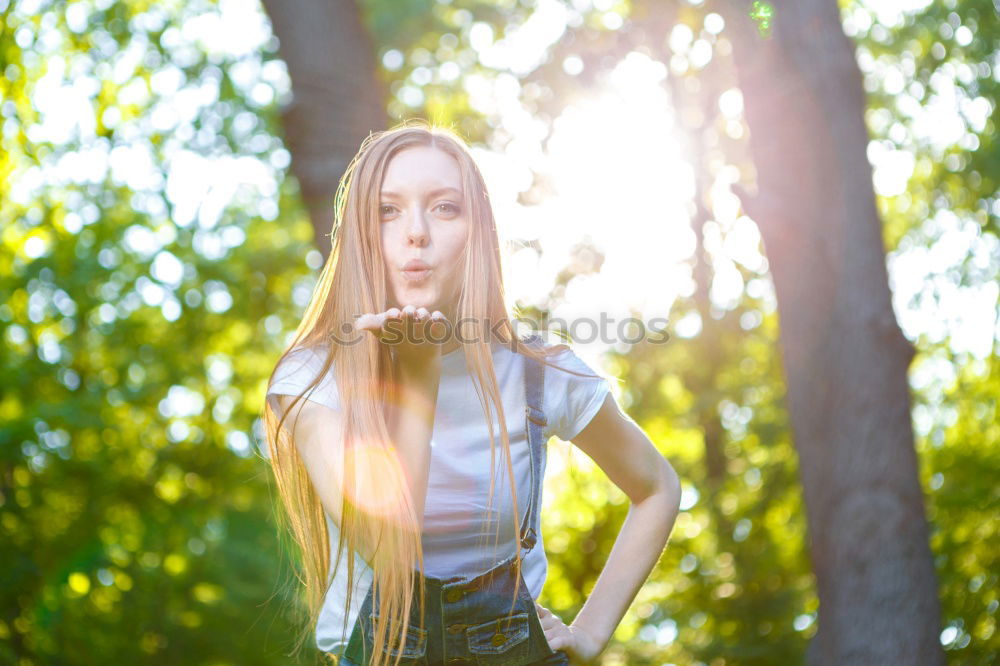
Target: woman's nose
x=417 y=232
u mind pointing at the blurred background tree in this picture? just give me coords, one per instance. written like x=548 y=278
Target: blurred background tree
x=155 y=252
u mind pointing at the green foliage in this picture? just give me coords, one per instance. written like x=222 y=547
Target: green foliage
x=137 y=335
x=140 y=317
x=945 y=53
x=960 y=428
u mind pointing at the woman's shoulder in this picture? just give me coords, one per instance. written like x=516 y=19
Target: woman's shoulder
x=544 y=342
x=574 y=389
x=554 y=351
x=301 y=358
x=299 y=368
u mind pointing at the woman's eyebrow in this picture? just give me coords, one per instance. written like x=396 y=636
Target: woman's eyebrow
x=440 y=190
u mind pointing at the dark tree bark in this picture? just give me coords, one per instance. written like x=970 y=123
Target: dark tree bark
x=845 y=358
x=337 y=101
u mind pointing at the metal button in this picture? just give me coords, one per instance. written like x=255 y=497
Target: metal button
x=498 y=639
x=453 y=595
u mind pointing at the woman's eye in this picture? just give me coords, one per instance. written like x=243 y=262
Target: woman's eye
x=450 y=209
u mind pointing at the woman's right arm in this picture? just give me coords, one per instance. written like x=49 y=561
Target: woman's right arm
x=412 y=424
x=418 y=373
x=318 y=434
x=317 y=431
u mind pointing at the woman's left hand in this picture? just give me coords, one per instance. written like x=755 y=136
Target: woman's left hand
x=579 y=646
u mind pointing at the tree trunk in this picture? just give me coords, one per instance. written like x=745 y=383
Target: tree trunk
x=337 y=97
x=845 y=358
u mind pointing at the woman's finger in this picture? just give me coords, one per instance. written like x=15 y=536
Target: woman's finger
x=382 y=322
x=373 y=322
x=389 y=317
x=368 y=321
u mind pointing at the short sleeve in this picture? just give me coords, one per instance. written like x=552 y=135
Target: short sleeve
x=296 y=371
x=571 y=401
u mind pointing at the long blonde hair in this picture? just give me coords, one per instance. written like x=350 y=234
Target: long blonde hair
x=353 y=282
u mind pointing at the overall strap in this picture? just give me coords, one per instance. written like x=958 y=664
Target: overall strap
x=534 y=392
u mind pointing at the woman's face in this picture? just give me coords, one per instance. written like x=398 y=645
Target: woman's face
x=423 y=219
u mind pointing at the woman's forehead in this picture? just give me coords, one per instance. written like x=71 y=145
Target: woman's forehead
x=421 y=169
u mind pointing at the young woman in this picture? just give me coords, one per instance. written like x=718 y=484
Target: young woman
x=406 y=404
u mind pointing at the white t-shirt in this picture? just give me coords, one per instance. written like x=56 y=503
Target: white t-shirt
x=458 y=484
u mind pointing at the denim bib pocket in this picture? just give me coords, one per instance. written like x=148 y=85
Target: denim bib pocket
x=415 y=646
x=503 y=636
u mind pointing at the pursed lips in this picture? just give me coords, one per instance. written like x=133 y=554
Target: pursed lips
x=416 y=274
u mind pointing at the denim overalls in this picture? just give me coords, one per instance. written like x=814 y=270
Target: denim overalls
x=467 y=617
